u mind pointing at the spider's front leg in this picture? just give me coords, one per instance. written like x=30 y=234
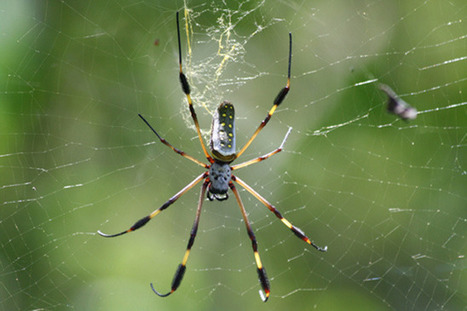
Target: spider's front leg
x=143 y=221
x=297 y=231
x=263 y=278
x=180 y=272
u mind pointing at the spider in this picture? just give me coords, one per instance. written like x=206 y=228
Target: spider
x=219 y=178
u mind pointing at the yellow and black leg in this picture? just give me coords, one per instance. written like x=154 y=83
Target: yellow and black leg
x=140 y=223
x=277 y=101
x=263 y=278
x=187 y=91
x=180 y=272
x=297 y=231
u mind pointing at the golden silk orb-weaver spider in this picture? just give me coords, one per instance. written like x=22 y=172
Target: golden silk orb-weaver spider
x=219 y=178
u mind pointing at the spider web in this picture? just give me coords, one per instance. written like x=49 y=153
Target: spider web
x=387 y=197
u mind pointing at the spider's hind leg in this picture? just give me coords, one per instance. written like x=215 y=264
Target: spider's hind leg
x=187 y=91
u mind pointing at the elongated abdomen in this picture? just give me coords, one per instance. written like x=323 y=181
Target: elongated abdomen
x=223 y=133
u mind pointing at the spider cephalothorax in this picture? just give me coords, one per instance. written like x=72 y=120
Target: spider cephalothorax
x=218 y=177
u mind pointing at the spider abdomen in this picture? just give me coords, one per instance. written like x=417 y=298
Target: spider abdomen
x=223 y=132
x=220 y=174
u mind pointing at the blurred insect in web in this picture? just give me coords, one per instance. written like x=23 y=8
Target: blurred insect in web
x=398 y=106
x=218 y=178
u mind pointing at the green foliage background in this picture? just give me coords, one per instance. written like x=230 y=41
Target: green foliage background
x=387 y=197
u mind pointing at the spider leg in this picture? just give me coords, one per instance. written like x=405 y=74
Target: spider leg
x=264 y=157
x=140 y=223
x=180 y=272
x=263 y=278
x=297 y=231
x=277 y=101
x=165 y=142
x=187 y=91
